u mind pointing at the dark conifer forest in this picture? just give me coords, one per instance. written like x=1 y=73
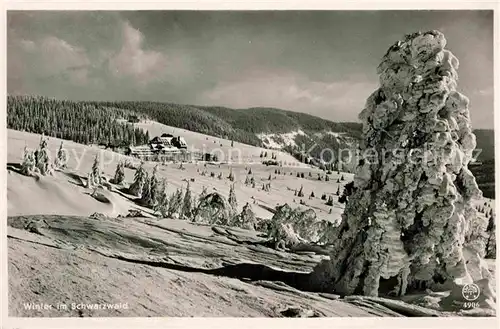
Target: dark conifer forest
x=80 y=122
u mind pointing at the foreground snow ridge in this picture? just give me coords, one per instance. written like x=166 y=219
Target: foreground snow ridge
x=408 y=223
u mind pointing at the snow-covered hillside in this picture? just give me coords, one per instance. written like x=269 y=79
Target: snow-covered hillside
x=279 y=141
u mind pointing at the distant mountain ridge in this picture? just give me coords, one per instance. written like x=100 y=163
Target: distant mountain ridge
x=244 y=125
x=258 y=126
x=305 y=136
x=239 y=124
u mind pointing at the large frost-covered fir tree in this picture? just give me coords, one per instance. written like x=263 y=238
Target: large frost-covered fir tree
x=410 y=223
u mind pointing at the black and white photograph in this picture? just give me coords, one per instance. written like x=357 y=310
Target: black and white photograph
x=250 y=163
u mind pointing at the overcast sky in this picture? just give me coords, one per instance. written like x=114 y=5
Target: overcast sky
x=322 y=63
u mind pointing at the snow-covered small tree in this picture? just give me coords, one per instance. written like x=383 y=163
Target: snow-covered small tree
x=175 y=202
x=491 y=247
x=187 y=206
x=246 y=219
x=28 y=164
x=154 y=184
x=61 y=159
x=42 y=158
x=119 y=173
x=300 y=194
x=139 y=181
x=146 y=190
x=90 y=180
x=96 y=170
x=161 y=206
x=231 y=175
x=232 y=199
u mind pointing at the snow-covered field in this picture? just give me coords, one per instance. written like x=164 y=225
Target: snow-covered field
x=166 y=267
x=81 y=159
